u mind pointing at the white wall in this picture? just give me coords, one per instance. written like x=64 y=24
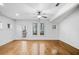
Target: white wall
x=69 y=29
x=49 y=32
x=6 y=34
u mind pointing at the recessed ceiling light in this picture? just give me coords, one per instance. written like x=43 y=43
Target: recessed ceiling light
x=17 y=14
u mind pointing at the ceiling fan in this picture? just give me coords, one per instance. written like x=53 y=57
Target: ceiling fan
x=41 y=14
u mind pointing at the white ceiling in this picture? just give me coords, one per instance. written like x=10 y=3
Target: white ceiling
x=28 y=11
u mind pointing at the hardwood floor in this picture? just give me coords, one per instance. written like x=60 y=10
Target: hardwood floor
x=38 y=47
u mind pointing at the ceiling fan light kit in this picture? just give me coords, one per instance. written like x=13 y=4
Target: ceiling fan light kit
x=39 y=16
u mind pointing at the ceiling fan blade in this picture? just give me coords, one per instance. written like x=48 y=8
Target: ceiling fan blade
x=44 y=16
x=57 y=4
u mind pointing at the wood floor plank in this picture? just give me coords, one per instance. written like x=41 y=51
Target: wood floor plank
x=37 y=47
